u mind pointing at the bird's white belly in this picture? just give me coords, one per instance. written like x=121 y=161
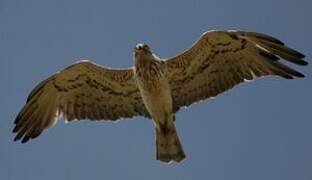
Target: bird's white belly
x=157 y=98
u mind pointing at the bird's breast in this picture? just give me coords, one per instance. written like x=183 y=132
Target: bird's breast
x=148 y=70
x=150 y=78
x=156 y=95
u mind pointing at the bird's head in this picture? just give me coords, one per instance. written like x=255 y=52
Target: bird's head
x=142 y=49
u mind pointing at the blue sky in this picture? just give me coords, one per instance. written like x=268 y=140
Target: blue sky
x=260 y=130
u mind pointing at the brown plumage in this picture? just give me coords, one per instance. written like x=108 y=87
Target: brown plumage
x=155 y=88
x=168 y=145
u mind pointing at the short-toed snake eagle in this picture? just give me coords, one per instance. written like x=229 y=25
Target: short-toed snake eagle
x=155 y=88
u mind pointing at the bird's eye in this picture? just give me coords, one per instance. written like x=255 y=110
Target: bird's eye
x=145 y=46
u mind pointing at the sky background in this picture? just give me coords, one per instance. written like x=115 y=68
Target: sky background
x=260 y=130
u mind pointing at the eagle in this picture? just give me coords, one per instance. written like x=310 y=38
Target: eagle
x=155 y=88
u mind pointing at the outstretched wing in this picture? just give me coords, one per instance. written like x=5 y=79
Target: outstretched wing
x=81 y=91
x=220 y=60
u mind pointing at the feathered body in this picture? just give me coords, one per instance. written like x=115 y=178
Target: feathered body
x=149 y=73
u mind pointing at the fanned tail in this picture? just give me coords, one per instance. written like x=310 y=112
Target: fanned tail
x=168 y=146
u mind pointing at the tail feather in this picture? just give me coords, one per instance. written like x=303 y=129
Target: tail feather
x=168 y=146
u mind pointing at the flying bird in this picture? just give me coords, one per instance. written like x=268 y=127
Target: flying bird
x=155 y=88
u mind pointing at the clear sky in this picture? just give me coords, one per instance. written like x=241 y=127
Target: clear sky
x=260 y=130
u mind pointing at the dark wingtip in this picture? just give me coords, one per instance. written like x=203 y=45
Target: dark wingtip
x=15 y=129
x=287 y=76
x=17 y=119
x=25 y=139
x=297 y=61
x=300 y=75
x=297 y=53
x=303 y=62
x=263 y=37
x=35 y=135
x=16 y=138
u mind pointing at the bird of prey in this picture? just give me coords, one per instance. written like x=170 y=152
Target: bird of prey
x=155 y=88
